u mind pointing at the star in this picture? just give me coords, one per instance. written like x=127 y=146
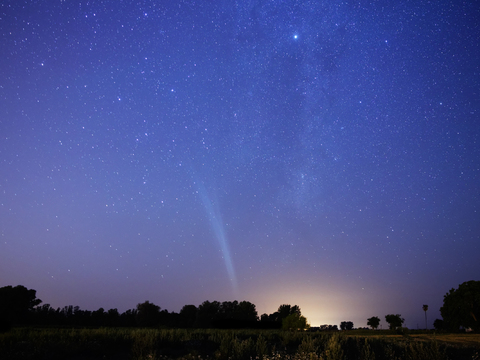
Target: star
x=239 y=150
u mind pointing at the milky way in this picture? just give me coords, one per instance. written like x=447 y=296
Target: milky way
x=324 y=154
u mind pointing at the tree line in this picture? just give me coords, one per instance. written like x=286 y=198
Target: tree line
x=20 y=306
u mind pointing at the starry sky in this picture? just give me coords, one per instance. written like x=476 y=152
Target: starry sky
x=318 y=153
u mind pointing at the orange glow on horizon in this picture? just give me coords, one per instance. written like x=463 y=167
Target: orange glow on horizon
x=324 y=302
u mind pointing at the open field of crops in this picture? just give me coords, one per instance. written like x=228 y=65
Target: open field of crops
x=139 y=344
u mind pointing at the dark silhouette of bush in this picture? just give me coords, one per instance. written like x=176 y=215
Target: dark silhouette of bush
x=20 y=306
x=394 y=321
x=461 y=307
x=438 y=324
x=346 y=325
x=5 y=324
x=148 y=314
x=374 y=321
x=16 y=303
x=188 y=314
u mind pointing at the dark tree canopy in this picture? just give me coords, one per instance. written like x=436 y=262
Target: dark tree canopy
x=329 y=327
x=207 y=312
x=295 y=321
x=16 y=302
x=188 y=314
x=346 y=325
x=148 y=314
x=228 y=314
x=373 y=322
x=285 y=310
x=461 y=307
x=394 y=321
x=282 y=312
x=18 y=305
x=246 y=311
x=438 y=324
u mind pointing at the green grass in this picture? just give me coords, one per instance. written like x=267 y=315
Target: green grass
x=140 y=344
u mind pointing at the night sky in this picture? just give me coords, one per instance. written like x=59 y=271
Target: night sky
x=318 y=153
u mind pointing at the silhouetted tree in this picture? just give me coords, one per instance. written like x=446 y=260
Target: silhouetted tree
x=128 y=318
x=44 y=315
x=268 y=321
x=168 y=319
x=394 y=321
x=274 y=320
x=235 y=315
x=461 y=307
x=15 y=304
x=98 y=317
x=112 y=317
x=66 y=315
x=374 y=321
x=425 y=308
x=295 y=321
x=227 y=309
x=147 y=314
x=329 y=327
x=188 y=314
x=246 y=311
x=207 y=312
x=346 y=325
x=285 y=310
x=438 y=324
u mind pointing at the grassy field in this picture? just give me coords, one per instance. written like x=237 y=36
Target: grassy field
x=139 y=344
x=459 y=339
x=454 y=339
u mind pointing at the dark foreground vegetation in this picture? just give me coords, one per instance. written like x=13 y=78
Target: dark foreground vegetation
x=137 y=344
x=228 y=330
x=19 y=306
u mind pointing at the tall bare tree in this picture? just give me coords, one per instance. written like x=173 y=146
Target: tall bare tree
x=425 y=308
